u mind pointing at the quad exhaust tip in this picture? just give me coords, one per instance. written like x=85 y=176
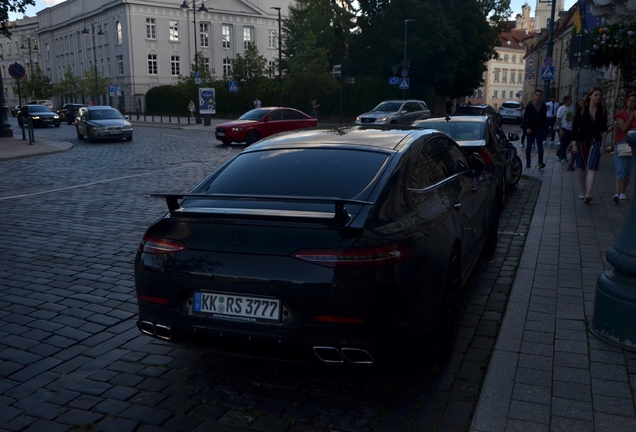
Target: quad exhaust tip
x=158 y=330
x=329 y=354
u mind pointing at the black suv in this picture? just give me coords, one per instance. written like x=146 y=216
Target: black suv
x=68 y=112
x=477 y=110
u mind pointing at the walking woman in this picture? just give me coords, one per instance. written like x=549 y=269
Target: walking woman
x=589 y=130
x=625 y=121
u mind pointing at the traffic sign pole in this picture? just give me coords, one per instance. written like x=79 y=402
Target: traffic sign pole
x=548 y=53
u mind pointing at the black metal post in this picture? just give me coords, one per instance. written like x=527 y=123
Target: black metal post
x=549 y=51
x=5 y=127
x=280 y=59
x=85 y=31
x=406 y=21
x=201 y=9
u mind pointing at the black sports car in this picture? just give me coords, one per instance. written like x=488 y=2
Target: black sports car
x=346 y=245
x=68 y=112
x=40 y=116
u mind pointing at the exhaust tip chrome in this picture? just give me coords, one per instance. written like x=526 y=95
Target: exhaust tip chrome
x=147 y=327
x=328 y=354
x=357 y=356
x=163 y=332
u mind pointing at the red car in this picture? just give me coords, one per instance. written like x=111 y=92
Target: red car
x=263 y=122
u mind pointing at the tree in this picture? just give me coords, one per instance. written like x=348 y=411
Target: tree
x=330 y=21
x=249 y=70
x=88 y=86
x=37 y=86
x=68 y=85
x=308 y=71
x=14 y=6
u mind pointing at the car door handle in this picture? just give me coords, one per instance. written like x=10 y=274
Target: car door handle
x=474 y=189
x=457 y=206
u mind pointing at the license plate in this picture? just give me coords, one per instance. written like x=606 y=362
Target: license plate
x=222 y=134
x=114 y=132
x=238 y=308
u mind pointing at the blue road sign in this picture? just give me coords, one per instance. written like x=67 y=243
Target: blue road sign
x=393 y=81
x=118 y=91
x=547 y=73
x=404 y=83
x=547 y=61
x=232 y=86
x=111 y=90
x=17 y=71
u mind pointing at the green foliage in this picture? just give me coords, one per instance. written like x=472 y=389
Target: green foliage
x=37 y=86
x=249 y=70
x=308 y=71
x=93 y=83
x=68 y=85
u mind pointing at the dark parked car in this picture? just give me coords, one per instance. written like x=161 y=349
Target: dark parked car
x=263 y=122
x=395 y=112
x=102 y=122
x=477 y=110
x=354 y=248
x=483 y=135
x=40 y=116
x=69 y=111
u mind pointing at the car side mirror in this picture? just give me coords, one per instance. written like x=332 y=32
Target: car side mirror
x=403 y=112
x=513 y=137
x=477 y=163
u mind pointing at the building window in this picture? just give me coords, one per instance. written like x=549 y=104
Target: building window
x=175 y=65
x=204 y=34
x=511 y=94
x=495 y=94
x=174 y=31
x=46 y=49
x=118 y=36
x=105 y=35
x=227 y=66
x=505 y=58
x=496 y=76
x=271 y=69
x=108 y=66
x=519 y=78
x=512 y=77
x=120 y=65
x=225 y=31
x=152 y=64
x=514 y=58
x=206 y=64
x=151 y=30
x=504 y=77
x=271 y=37
x=248 y=36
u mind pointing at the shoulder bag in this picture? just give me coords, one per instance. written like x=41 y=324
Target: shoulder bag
x=623 y=149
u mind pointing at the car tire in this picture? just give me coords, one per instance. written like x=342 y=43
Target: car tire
x=68 y=120
x=251 y=137
x=226 y=142
x=450 y=306
x=129 y=138
x=516 y=168
x=91 y=139
x=79 y=135
x=57 y=124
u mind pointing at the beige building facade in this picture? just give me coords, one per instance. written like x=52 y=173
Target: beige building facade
x=141 y=44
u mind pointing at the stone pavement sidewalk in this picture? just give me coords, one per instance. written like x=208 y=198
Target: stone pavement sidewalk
x=16 y=148
x=547 y=371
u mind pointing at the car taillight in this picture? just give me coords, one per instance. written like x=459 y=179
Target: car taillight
x=355 y=257
x=157 y=245
x=485 y=156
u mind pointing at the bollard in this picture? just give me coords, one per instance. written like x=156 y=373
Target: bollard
x=137 y=114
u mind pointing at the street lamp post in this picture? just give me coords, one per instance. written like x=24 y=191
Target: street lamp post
x=406 y=22
x=29 y=49
x=85 y=31
x=280 y=59
x=549 y=51
x=197 y=77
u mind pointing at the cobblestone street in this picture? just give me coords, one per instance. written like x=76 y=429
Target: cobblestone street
x=72 y=357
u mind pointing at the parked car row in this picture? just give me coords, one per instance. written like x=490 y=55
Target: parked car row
x=345 y=245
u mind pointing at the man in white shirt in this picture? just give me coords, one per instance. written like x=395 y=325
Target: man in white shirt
x=564 y=117
x=553 y=108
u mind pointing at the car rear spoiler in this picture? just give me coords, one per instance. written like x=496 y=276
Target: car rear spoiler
x=340 y=215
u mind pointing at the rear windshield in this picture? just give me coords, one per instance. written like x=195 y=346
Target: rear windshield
x=38 y=108
x=300 y=172
x=459 y=131
x=468 y=110
x=514 y=105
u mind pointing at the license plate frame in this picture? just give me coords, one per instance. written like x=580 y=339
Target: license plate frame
x=220 y=134
x=237 y=307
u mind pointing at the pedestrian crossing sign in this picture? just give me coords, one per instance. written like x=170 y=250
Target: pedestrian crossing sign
x=404 y=84
x=233 y=86
x=547 y=73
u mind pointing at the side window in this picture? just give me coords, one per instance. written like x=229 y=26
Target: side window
x=413 y=107
x=498 y=135
x=292 y=115
x=459 y=158
x=432 y=165
x=276 y=115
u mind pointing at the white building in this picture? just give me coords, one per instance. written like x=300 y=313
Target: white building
x=141 y=44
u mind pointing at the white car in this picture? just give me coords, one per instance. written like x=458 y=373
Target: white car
x=402 y=112
x=511 y=111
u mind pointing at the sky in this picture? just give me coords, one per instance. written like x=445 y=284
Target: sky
x=515 y=5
